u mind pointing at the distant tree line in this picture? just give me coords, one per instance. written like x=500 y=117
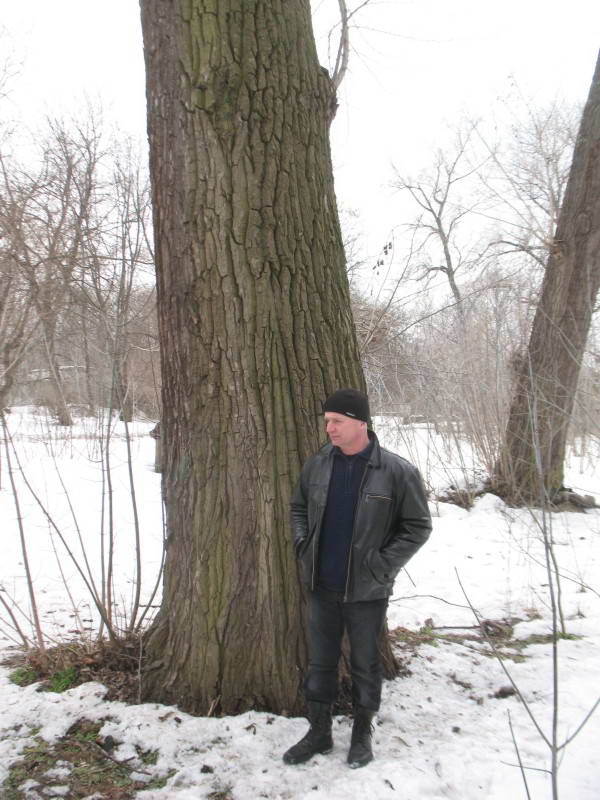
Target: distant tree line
x=77 y=307
x=445 y=341
x=441 y=340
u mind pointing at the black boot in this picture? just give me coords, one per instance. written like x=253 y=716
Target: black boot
x=360 y=752
x=317 y=740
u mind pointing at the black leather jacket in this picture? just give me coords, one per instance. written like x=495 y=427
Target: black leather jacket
x=391 y=522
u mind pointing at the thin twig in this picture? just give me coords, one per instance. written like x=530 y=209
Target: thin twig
x=77 y=528
x=136 y=524
x=16 y=626
x=160 y=570
x=432 y=596
x=516 y=746
x=99 y=606
x=119 y=763
x=531 y=769
x=532 y=400
x=501 y=661
x=24 y=553
x=585 y=719
x=409 y=577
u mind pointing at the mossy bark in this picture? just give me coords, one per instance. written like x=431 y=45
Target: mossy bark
x=255 y=328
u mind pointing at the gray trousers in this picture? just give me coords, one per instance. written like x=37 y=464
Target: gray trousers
x=328 y=617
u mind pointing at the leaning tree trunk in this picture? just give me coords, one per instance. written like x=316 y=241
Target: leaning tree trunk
x=530 y=469
x=255 y=329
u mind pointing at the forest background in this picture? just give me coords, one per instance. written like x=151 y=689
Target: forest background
x=437 y=99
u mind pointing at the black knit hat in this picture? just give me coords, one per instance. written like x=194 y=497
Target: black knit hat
x=349 y=402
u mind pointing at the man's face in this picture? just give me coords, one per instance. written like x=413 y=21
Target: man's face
x=344 y=432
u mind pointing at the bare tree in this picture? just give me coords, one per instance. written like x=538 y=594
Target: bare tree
x=527 y=178
x=541 y=408
x=18 y=323
x=50 y=209
x=442 y=209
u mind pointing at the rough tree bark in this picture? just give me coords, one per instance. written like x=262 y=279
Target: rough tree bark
x=545 y=388
x=255 y=328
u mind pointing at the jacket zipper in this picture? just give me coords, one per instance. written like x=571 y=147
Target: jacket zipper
x=316 y=538
x=353 y=529
x=314 y=549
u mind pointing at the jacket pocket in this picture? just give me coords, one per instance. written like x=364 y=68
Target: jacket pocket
x=376 y=510
x=378 y=498
x=368 y=573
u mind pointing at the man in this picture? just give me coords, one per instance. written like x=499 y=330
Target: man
x=359 y=513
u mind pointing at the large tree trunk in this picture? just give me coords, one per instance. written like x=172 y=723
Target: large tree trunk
x=530 y=469
x=255 y=328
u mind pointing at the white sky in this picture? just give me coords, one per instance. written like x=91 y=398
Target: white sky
x=416 y=66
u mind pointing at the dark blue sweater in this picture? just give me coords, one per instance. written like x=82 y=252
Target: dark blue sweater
x=338 y=519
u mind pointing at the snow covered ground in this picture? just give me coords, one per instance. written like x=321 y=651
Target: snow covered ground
x=441 y=733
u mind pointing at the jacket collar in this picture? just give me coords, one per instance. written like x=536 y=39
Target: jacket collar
x=328 y=450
